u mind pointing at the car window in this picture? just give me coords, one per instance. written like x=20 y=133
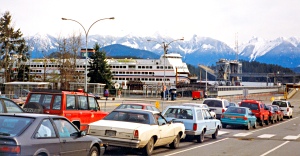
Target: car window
x=160 y=120
x=11 y=107
x=226 y=103
x=155 y=109
x=12 y=125
x=35 y=98
x=199 y=115
x=206 y=114
x=213 y=103
x=289 y=104
x=46 y=101
x=83 y=103
x=1 y=108
x=70 y=103
x=57 y=102
x=65 y=128
x=93 y=103
x=252 y=106
x=45 y=130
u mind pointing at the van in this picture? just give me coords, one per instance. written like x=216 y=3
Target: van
x=220 y=105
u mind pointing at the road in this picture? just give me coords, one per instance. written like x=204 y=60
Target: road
x=282 y=138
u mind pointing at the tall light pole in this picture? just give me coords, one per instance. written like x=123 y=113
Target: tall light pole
x=86 y=51
x=165 y=47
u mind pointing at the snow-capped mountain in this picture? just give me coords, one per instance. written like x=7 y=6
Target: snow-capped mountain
x=197 y=50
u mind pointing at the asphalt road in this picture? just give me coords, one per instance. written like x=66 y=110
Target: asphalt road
x=282 y=138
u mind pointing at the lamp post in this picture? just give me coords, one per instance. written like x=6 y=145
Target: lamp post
x=86 y=51
x=165 y=47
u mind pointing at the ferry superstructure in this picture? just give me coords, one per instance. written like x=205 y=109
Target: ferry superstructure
x=168 y=69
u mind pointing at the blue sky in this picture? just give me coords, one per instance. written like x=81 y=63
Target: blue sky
x=218 y=19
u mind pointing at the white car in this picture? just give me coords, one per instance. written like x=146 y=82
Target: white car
x=285 y=106
x=220 y=105
x=141 y=129
x=201 y=105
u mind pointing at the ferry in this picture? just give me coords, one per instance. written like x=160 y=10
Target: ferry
x=168 y=69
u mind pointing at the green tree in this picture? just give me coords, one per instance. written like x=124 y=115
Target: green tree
x=99 y=71
x=13 y=47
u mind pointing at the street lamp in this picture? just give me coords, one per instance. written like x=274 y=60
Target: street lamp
x=86 y=52
x=165 y=46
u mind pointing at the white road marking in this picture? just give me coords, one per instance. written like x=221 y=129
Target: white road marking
x=275 y=148
x=197 y=147
x=222 y=132
x=242 y=134
x=266 y=136
x=291 y=137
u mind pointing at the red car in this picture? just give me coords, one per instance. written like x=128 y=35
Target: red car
x=278 y=112
x=259 y=110
x=138 y=106
x=272 y=114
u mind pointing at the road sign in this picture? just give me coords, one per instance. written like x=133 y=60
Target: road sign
x=157 y=105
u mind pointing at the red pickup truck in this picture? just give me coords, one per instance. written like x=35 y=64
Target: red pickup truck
x=258 y=108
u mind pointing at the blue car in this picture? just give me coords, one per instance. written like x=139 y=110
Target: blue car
x=238 y=116
x=196 y=118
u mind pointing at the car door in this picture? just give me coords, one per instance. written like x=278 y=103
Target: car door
x=70 y=145
x=166 y=130
x=210 y=125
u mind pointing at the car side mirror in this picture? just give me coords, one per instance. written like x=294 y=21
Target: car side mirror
x=292 y=106
x=82 y=133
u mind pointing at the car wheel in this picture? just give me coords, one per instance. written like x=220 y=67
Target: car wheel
x=33 y=107
x=215 y=135
x=248 y=126
x=224 y=125
x=200 y=138
x=281 y=118
x=291 y=116
x=272 y=121
x=255 y=125
x=267 y=122
x=261 y=123
x=175 y=143
x=148 y=149
x=94 y=151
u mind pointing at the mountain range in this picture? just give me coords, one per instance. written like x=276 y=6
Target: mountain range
x=197 y=50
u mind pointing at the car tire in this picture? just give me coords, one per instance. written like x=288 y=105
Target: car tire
x=261 y=123
x=33 y=107
x=255 y=125
x=94 y=151
x=248 y=126
x=215 y=135
x=200 y=138
x=148 y=149
x=175 y=143
x=224 y=125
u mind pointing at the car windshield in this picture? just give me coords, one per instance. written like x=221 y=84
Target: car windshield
x=252 y=106
x=179 y=113
x=129 y=117
x=213 y=103
x=13 y=125
x=236 y=110
x=131 y=106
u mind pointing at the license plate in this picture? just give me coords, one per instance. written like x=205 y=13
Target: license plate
x=110 y=133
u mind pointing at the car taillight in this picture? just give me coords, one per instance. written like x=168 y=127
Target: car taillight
x=195 y=126
x=245 y=118
x=10 y=149
x=222 y=116
x=287 y=109
x=223 y=110
x=136 y=134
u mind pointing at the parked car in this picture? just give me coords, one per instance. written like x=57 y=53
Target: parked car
x=279 y=112
x=238 y=116
x=258 y=108
x=41 y=135
x=79 y=107
x=219 y=104
x=285 y=106
x=272 y=114
x=211 y=110
x=145 y=106
x=14 y=98
x=196 y=118
x=232 y=104
x=139 y=129
x=9 y=106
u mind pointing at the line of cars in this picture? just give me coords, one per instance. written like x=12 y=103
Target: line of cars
x=248 y=113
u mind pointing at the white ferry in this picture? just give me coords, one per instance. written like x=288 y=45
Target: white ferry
x=147 y=71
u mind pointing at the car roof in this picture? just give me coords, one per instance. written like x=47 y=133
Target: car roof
x=200 y=105
x=29 y=115
x=144 y=104
x=214 y=99
x=186 y=106
x=136 y=111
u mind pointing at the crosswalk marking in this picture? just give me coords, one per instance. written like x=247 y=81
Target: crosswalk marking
x=291 y=137
x=222 y=132
x=266 y=136
x=242 y=134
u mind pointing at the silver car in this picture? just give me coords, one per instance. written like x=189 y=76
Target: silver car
x=44 y=135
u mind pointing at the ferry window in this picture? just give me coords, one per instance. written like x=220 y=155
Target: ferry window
x=143 y=67
x=124 y=66
x=150 y=67
x=131 y=66
x=139 y=67
x=157 y=67
x=146 y=72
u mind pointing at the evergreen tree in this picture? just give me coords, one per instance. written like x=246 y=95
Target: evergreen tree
x=11 y=42
x=99 y=71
